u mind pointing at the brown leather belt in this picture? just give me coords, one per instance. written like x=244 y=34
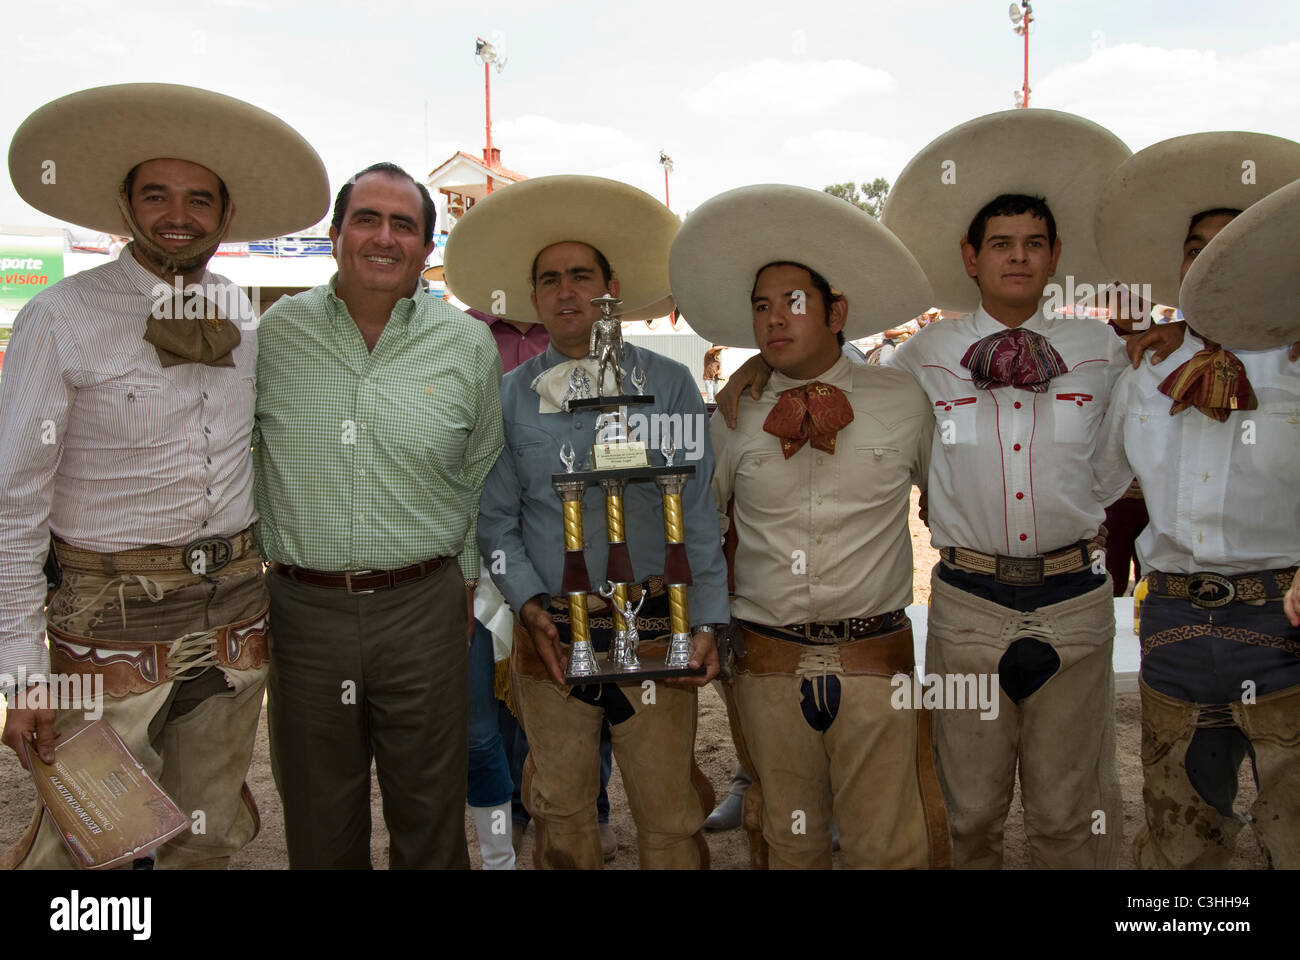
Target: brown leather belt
x=832 y=631
x=135 y=666
x=362 y=581
x=201 y=556
x=1021 y=571
x=880 y=656
x=1213 y=590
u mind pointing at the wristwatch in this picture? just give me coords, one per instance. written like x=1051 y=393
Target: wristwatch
x=704 y=628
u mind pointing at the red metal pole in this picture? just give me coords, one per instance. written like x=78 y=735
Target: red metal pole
x=1026 y=91
x=487 y=100
x=666 y=203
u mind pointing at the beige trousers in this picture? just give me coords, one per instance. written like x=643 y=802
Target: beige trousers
x=1182 y=831
x=862 y=770
x=194 y=737
x=1062 y=737
x=666 y=794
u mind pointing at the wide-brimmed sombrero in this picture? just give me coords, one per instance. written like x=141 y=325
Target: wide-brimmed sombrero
x=492 y=247
x=69 y=158
x=1242 y=289
x=728 y=239
x=1063 y=158
x=1149 y=201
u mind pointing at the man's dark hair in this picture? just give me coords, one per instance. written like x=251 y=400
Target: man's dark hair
x=391 y=170
x=818 y=281
x=1205 y=214
x=128 y=184
x=605 y=270
x=1010 y=205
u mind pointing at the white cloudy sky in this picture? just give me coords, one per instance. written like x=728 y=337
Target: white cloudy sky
x=808 y=92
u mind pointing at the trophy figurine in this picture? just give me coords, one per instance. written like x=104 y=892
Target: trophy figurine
x=616 y=460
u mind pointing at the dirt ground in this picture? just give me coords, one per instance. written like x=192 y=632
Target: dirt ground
x=716 y=757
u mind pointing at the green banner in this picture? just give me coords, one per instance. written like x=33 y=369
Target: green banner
x=28 y=265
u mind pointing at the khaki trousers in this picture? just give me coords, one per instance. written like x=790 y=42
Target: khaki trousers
x=666 y=794
x=862 y=770
x=194 y=737
x=1182 y=831
x=1062 y=736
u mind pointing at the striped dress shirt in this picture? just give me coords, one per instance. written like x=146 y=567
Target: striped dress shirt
x=105 y=447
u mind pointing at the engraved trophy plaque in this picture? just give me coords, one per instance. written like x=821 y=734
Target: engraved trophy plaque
x=616 y=460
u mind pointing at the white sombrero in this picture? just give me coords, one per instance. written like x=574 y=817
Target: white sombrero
x=1060 y=157
x=1150 y=200
x=69 y=158
x=1243 y=289
x=492 y=247
x=727 y=240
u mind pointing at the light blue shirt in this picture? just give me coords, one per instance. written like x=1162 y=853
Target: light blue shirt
x=520 y=527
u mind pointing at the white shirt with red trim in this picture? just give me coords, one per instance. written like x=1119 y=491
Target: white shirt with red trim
x=1011 y=470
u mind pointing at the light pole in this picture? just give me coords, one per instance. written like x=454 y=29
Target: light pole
x=1022 y=16
x=666 y=162
x=488 y=54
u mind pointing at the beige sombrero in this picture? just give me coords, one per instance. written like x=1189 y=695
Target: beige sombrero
x=69 y=158
x=1060 y=157
x=727 y=240
x=1242 y=290
x=1149 y=201
x=492 y=247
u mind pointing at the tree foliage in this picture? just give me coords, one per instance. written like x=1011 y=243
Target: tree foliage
x=872 y=198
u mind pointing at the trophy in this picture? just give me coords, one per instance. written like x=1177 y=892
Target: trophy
x=616 y=460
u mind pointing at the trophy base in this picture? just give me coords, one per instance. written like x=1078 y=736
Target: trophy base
x=607 y=672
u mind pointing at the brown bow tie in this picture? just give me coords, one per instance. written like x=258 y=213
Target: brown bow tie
x=1213 y=381
x=816 y=411
x=191 y=329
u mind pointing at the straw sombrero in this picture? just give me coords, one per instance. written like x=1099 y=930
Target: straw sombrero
x=1060 y=157
x=727 y=240
x=69 y=158
x=492 y=247
x=1242 y=289
x=1149 y=201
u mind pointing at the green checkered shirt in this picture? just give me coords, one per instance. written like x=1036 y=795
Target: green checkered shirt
x=373 y=460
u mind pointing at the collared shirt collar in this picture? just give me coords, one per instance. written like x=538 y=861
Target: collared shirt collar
x=986 y=323
x=839 y=375
x=145 y=280
x=406 y=309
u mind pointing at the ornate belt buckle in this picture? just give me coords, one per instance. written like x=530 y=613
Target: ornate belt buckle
x=207 y=555
x=1019 y=571
x=1210 y=590
x=826 y=631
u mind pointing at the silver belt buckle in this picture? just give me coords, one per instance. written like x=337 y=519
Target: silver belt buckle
x=1210 y=590
x=1019 y=571
x=347 y=579
x=826 y=632
x=207 y=555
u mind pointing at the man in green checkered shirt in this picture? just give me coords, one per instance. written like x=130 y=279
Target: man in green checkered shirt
x=378 y=418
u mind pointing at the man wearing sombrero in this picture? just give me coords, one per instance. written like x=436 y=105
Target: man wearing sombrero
x=125 y=421
x=556 y=243
x=1213 y=434
x=994 y=209
x=815 y=482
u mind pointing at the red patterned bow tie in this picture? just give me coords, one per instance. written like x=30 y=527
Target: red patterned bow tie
x=1213 y=381
x=816 y=411
x=1013 y=358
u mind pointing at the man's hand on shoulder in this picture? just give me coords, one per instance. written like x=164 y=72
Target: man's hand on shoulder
x=1162 y=339
x=546 y=638
x=31 y=723
x=1291 y=604
x=754 y=374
